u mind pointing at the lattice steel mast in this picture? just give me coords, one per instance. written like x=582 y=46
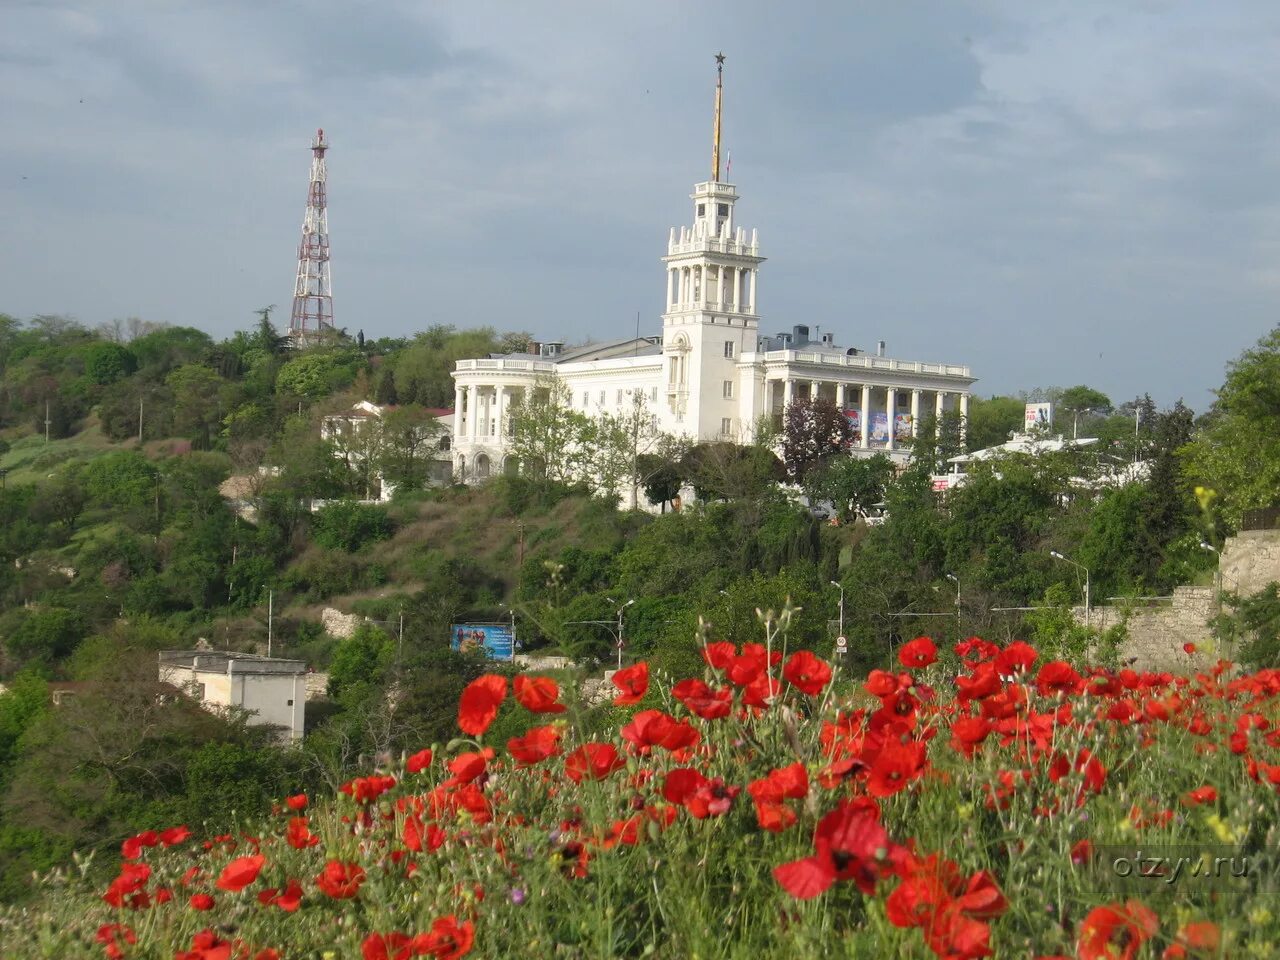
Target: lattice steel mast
x=312 y=314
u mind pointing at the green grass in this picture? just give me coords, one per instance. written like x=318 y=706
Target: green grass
x=31 y=459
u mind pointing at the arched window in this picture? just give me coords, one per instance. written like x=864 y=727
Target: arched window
x=482 y=466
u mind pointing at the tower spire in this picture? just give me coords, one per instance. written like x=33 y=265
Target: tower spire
x=313 y=292
x=715 y=143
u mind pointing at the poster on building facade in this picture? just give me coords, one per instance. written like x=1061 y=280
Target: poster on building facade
x=902 y=426
x=855 y=422
x=495 y=639
x=880 y=428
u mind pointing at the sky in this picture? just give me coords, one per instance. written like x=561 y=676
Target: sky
x=1052 y=193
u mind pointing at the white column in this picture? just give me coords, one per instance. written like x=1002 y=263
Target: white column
x=840 y=397
x=458 y=415
x=671 y=280
x=737 y=276
x=891 y=410
x=939 y=400
x=473 y=411
x=964 y=415
x=915 y=413
x=788 y=392
x=751 y=276
x=864 y=416
x=499 y=431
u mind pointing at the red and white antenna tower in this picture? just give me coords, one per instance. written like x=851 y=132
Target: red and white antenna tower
x=313 y=293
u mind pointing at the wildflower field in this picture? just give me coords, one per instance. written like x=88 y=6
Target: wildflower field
x=980 y=801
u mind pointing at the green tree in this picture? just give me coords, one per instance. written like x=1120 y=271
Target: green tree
x=992 y=420
x=106 y=363
x=852 y=483
x=813 y=433
x=1238 y=451
x=197 y=403
x=386 y=394
x=547 y=436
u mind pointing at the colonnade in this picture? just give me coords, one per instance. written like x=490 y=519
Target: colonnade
x=860 y=395
x=468 y=402
x=691 y=287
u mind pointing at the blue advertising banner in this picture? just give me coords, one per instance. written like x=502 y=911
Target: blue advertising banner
x=880 y=427
x=855 y=422
x=494 y=638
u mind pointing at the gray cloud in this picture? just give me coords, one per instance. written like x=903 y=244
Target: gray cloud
x=1050 y=192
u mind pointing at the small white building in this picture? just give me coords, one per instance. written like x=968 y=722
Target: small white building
x=273 y=690
x=357 y=431
x=710 y=374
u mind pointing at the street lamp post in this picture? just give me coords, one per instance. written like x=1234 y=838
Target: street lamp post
x=840 y=587
x=621 y=642
x=1057 y=556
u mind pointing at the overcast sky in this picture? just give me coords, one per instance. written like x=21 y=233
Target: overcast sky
x=1051 y=193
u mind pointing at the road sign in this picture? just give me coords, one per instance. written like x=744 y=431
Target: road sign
x=842 y=645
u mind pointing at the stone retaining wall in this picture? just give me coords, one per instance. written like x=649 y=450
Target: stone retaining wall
x=1157 y=633
x=1250 y=561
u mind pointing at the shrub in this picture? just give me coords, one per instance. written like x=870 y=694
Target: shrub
x=348 y=525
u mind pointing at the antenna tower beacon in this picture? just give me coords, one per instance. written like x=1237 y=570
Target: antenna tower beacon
x=312 y=314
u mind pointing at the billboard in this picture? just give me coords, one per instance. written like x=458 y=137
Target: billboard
x=495 y=639
x=902 y=426
x=855 y=422
x=1038 y=416
x=880 y=427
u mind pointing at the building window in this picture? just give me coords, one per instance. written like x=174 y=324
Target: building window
x=618 y=401
x=726 y=426
x=702 y=209
x=602 y=398
x=724 y=209
x=586 y=399
x=653 y=394
x=728 y=349
x=728 y=390
x=289 y=703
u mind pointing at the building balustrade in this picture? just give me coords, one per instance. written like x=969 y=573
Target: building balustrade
x=865 y=362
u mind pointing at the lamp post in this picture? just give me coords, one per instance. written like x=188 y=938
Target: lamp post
x=1057 y=556
x=840 y=587
x=621 y=642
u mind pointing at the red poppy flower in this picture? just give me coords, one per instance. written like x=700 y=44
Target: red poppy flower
x=535 y=746
x=807 y=673
x=538 y=694
x=1115 y=931
x=917 y=653
x=299 y=834
x=719 y=656
x=206 y=945
x=849 y=844
x=419 y=836
x=593 y=761
x=418 y=761
x=447 y=939
x=339 y=880
x=132 y=879
x=287 y=900
x=467 y=767
x=948 y=909
x=701 y=797
x=701 y=700
x=894 y=767
x=1057 y=677
x=174 y=835
x=1016 y=659
x=653 y=728
x=633 y=681
x=240 y=872
x=201 y=901
x=132 y=848
x=479 y=703
x=297 y=802
x=367 y=789
x=968 y=732
x=1188 y=648
x=114 y=937
x=1205 y=794
x=387 y=946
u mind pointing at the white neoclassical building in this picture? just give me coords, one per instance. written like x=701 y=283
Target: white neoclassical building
x=710 y=374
